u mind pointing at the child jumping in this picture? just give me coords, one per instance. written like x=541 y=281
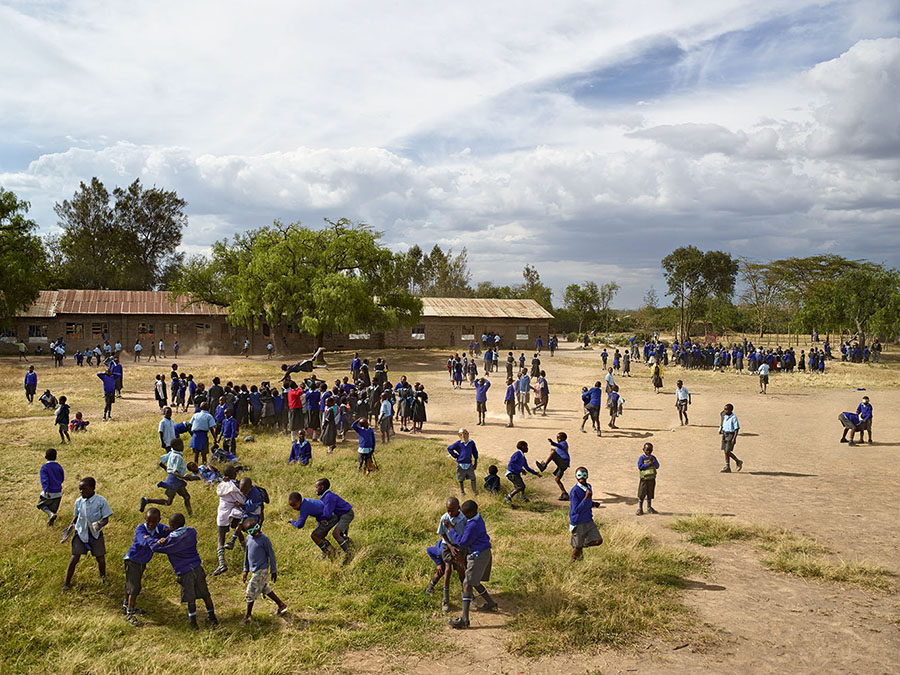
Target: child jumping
x=517 y=466
x=559 y=455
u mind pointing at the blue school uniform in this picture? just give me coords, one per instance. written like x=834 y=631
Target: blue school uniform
x=201 y=424
x=481 y=391
x=309 y=508
x=300 y=452
x=140 y=551
x=52 y=477
x=580 y=509
x=229 y=428
x=333 y=505
x=562 y=449
x=475 y=537
x=181 y=547
x=464 y=453
x=517 y=464
x=366 y=438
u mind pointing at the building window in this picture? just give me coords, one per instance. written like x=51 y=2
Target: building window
x=225 y=330
x=418 y=332
x=99 y=330
x=521 y=332
x=9 y=333
x=204 y=328
x=360 y=336
x=37 y=330
x=170 y=328
x=145 y=328
x=467 y=334
x=75 y=331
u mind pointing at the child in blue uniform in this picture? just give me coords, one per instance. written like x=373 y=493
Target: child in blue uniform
x=136 y=561
x=648 y=465
x=174 y=484
x=514 y=470
x=453 y=521
x=259 y=559
x=301 y=450
x=475 y=546
x=466 y=455
x=492 y=480
x=581 y=520
x=337 y=514
x=52 y=477
x=559 y=455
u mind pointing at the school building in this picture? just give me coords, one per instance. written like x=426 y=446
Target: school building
x=83 y=317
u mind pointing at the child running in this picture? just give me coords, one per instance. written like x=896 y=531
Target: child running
x=229 y=514
x=517 y=466
x=174 y=484
x=52 y=477
x=259 y=559
x=337 y=514
x=559 y=455
x=581 y=519
x=181 y=547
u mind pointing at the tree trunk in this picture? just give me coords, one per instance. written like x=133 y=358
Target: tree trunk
x=320 y=342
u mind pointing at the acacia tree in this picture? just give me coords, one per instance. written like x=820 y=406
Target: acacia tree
x=606 y=293
x=865 y=299
x=693 y=277
x=126 y=240
x=532 y=289
x=583 y=301
x=335 y=279
x=22 y=257
x=763 y=290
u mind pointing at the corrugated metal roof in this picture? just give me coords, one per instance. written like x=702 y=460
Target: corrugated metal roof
x=43 y=307
x=68 y=301
x=484 y=308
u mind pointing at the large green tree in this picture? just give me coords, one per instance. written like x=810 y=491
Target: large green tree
x=440 y=273
x=583 y=301
x=607 y=292
x=693 y=277
x=124 y=240
x=22 y=258
x=335 y=279
x=763 y=291
x=532 y=289
x=863 y=299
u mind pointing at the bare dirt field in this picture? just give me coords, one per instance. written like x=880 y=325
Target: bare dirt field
x=796 y=475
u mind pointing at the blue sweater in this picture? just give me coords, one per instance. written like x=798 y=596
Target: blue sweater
x=333 y=505
x=181 y=547
x=31 y=379
x=518 y=463
x=309 y=508
x=52 y=477
x=562 y=449
x=366 y=435
x=580 y=509
x=481 y=391
x=259 y=554
x=109 y=383
x=475 y=536
x=140 y=551
x=463 y=453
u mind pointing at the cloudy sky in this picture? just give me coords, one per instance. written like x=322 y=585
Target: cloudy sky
x=588 y=138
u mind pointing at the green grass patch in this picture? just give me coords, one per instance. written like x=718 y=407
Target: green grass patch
x=786 y=551
x=626 y=588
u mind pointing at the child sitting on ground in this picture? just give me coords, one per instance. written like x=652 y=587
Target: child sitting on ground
x=301 y=450
x=79 y=423
x=492 y=480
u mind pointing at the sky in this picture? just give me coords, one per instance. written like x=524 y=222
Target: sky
x=586 y=138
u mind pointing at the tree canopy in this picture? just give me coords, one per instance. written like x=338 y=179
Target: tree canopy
x=124 y=240
x=335 y=279
x=694 y=277
x=583 y=301
x=22 y=257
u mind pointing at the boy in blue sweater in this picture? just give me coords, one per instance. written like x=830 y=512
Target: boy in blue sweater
x=366 y=444
x=647 y=466
x=136 y=561
x=301 y=450
x=181 y=547
x=52 y=477
x=337 y=514
x=30 y=384
x=481 y=388
x=559 y=455
x=229 y=431
x=453 y=521
x=474 y=546
x=517 y=466
x=259 y=559
x=109 y=392
x=581 y=519
x=308 y=508
x=62 y=420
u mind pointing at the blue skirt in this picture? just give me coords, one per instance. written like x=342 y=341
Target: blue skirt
x=200 y=440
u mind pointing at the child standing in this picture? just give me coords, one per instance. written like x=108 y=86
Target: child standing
x=466 y=455
x=581 y=519
x=91 y=515
x=229 y=432
x=366 y=443
x=30 y=384
x=201 y=424
x=510 y=400
x=648 y=466
x=517 y=466
x=559 y=455
x=52 y=477
x=136 y=561
x=62 y=420
x=259 y=558
x=481 y=388
x=386 y=417
x=682 y=401
x=181 y=547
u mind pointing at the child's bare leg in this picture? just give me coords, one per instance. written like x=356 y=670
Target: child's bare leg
x=70 y=570
x=101 y=566
x=278 y=601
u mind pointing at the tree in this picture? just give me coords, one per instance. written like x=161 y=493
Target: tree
x=865 y=299
x=127 y=240
x=335 y=279
x=693 y=277
x=22 y=258
x=763 y=291
x=532 y=289
x=607 y=293
x=583 y=301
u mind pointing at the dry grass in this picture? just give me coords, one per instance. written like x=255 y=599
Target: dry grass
x=786 y=551
x=626 y=588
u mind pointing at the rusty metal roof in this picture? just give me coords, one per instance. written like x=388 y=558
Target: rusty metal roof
x=484 y=308
x=44 y=307
x=67 y=301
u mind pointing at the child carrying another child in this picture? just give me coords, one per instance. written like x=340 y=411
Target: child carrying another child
x=475 y=546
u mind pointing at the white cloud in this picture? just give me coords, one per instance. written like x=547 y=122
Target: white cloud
x=438 y=128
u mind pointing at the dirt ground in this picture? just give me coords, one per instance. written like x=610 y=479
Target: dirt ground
x=796 y=475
